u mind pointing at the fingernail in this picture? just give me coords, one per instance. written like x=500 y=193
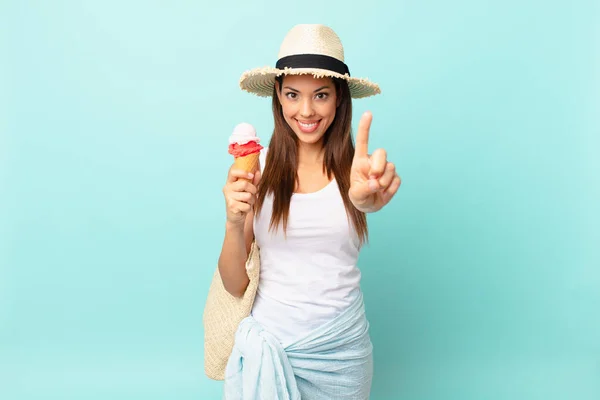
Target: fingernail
x=250 y=175
x=373 y=185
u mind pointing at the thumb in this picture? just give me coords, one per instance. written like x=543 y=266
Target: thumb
x=361 y=191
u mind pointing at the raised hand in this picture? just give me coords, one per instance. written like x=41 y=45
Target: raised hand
x=373 y=180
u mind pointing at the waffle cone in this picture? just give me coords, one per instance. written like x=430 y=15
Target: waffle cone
x=247 y=163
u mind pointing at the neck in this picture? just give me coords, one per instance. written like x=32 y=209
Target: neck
x=310 y=153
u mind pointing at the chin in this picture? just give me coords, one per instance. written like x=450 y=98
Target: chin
x=310 y=140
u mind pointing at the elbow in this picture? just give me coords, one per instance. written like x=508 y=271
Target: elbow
x=234 y=285
x=236 y=291
x=235 y=280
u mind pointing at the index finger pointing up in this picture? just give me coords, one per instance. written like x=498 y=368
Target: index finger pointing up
x=362 y=135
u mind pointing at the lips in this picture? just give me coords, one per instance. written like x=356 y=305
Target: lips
x=308 y=126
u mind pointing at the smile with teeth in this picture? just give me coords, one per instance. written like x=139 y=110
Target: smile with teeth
x=308 y=127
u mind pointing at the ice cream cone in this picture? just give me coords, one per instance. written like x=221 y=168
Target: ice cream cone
x=245 y=148
x=247 y=163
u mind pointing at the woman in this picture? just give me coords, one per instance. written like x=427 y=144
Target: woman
x=306 y=208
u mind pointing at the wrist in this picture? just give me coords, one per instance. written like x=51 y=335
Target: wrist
x=363 y=206
x=234 y=227
x=366 y=209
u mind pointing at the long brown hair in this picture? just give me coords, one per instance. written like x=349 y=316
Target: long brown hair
x=280 y=172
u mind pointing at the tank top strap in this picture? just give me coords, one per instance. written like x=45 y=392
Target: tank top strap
x=263 y=158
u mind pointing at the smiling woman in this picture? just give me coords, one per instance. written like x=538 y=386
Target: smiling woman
x=306 y=109
x=311 y=143
x=307 y=335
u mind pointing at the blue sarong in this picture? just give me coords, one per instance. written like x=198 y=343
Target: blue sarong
x=334 y=361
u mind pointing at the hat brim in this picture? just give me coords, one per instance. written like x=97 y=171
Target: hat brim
x=260 y=81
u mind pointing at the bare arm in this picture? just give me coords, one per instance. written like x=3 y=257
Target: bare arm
x=240 y=196
x=235 y=251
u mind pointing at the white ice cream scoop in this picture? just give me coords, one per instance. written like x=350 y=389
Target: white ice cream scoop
x=243 y=133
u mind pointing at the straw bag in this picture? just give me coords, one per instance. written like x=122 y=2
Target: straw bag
x=222 y=315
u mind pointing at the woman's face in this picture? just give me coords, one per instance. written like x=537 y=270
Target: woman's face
x=309 y=105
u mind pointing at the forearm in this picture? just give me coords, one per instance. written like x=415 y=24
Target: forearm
x=232 y=262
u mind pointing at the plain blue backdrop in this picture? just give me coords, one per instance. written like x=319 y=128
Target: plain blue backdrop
x=482 y=277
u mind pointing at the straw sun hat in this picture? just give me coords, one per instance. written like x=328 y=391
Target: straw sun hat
x=308 y=49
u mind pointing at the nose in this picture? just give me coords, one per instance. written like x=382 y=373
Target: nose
x=306 y=109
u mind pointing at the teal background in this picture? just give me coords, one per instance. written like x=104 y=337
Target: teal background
x=482 y=277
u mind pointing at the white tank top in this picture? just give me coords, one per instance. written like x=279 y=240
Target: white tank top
x=309 y=277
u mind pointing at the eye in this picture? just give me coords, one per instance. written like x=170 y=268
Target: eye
x=322 y=96
x=290 y=95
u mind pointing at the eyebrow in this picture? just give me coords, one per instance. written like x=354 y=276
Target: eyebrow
x=297 y=91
